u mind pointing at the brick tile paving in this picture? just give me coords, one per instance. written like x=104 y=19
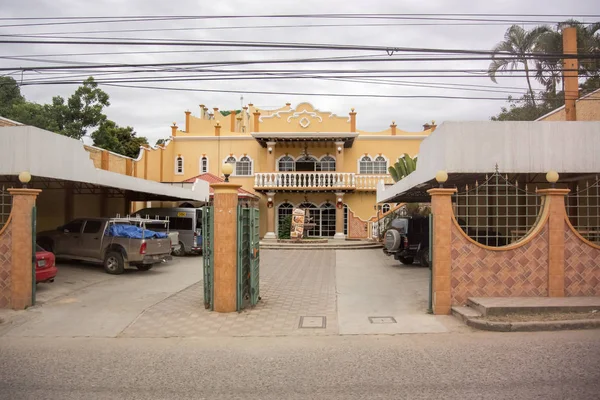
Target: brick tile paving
x=293 y=284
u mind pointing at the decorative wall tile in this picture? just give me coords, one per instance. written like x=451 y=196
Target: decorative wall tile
x=357 y=229
x=479 y=272
x=5 y=266
x=582 y=267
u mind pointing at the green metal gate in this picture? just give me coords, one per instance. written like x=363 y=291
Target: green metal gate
x=208 y=222
x=248 y=259
x=33 y=251
x=430 y=305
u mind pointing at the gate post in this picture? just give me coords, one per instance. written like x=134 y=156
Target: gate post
x=441 y=208
x=556 y=240
x=225 y=246
x=21 y=270
x=270 y=216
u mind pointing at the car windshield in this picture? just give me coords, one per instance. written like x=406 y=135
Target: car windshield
x=39 y=248
x=401 y=224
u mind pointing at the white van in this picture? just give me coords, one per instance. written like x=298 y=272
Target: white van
x=186 y=221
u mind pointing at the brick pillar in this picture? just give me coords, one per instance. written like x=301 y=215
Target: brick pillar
x=555 y=199
x=225 y=246
x=21 y=272
x=339 y=161
x=104 y=160
x=271 y=167
x=339 y=218
x=270 y=216
x=441 y=207
x=570 y=73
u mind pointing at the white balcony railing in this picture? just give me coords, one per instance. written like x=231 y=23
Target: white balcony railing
x=318 y=180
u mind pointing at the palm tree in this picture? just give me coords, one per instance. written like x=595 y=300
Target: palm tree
x=516 y=49
x=549 y=69
x=403 y=167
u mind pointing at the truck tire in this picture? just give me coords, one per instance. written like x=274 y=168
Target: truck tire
x=406 y=260
x=114 y=263
x=144 y=267
x=179 y=252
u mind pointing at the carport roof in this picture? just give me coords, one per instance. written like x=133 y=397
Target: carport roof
x=59 y=158
x=469 y=150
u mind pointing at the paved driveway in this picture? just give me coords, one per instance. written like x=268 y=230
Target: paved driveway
x=304 y=293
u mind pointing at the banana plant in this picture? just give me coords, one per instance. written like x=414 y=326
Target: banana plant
x=403 y=167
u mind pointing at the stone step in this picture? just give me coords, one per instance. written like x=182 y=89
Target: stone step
x=520 y=305
x=464 y=313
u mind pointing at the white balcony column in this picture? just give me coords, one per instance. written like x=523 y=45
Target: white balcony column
x=339 y=218
x=270 y=235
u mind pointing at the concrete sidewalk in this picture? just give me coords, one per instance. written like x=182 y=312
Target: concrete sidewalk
x=378 y=295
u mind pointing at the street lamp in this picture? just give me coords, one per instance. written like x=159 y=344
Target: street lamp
x=25 y=178
x=552 y=178
x=441 y=177
x=227 y=170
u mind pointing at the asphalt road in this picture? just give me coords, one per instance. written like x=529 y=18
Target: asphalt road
x=481 y=365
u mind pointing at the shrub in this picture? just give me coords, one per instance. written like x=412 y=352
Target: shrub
x=284 y=228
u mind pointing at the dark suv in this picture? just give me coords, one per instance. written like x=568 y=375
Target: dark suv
x=408 y=240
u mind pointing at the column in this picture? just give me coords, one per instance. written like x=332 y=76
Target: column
x=339 y=162
x=556 y=240
x=187 y=121
x=271 y=167
x=225 y=246
x=441 y=207
x=270 y=216
x=339 y=217
x=352 y=120
x=21 y=270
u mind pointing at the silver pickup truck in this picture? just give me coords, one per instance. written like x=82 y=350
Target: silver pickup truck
x=87 y=239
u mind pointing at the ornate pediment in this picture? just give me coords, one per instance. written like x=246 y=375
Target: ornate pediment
x=304 y=118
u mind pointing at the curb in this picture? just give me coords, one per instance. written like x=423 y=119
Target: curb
x=534 y=326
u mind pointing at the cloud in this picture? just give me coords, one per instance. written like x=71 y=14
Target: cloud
x=151 y=112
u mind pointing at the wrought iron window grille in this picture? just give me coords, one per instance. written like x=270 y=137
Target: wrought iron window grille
x=583 y=209
x=497 y=212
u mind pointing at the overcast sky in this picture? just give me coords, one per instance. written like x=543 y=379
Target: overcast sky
x=151 y=112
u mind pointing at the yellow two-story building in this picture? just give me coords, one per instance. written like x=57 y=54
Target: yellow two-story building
x=293 y=157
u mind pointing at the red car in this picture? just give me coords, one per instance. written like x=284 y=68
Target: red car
x=45 y=269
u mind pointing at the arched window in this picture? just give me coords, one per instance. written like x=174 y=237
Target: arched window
x=327 y=163
x=243 y=167
x=380 y=165
x=365 y=165
x=385 y=208
x=231 y=160
x=286 y=163
x=327 y=220
x=179 y=165
x=203 y=164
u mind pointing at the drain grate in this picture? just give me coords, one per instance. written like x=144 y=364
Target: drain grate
x=382 y=320
x=313 y=322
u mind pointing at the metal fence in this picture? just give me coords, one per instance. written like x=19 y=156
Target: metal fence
x=583 y=209
x=5 y=206
x=497 y=212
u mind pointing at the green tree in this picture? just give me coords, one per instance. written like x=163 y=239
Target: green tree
x=160 y=142
x=403 y=167
x=515 y=50
x=10 y=94
x=82 y=111
x=118 y=139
